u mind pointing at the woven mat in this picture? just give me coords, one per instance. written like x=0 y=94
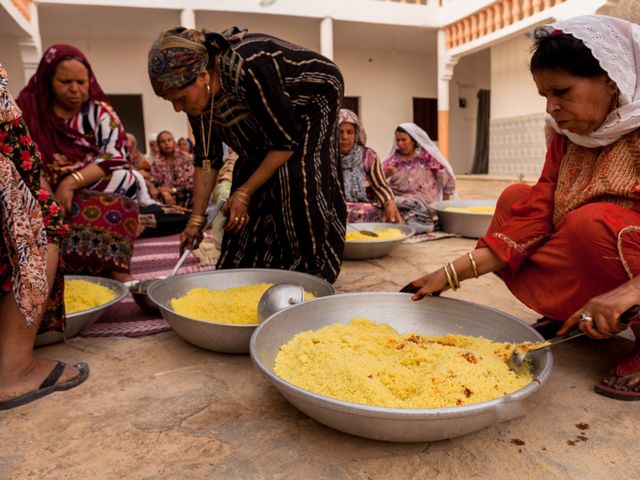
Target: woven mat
x=427 y=237
x=152 y=257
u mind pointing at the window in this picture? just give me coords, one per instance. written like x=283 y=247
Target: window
x=352 y=103
x=129 y=109
x=425 y=115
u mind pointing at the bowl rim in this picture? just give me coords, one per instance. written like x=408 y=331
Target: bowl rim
x=409 y=232
x=394 y=412
x=229 y=270
x=117 y=285
x=442 y=205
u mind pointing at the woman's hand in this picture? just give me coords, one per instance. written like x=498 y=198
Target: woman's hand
x=604 y=311
x=431 y=284
x=236 y=211
x=190 y=238
x=391 y=212
x=64 y=193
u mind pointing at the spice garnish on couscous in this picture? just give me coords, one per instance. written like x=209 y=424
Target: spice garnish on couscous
x=386 y=234
x=371 y=363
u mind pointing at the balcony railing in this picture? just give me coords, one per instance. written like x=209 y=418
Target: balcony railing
x=23 y=7
x=492 y=18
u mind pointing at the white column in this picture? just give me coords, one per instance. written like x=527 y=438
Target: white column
x=188 y=18
x=446 y=63
x=326 y=37
x=31 y=47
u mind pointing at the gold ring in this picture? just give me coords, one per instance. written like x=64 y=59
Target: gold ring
x=585 y=318
x=237 y=219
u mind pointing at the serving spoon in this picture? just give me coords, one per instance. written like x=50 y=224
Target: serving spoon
x=278 y=297
x=519 y=355
x=368 y=233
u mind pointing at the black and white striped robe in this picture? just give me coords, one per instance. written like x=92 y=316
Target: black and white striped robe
x=279 y=96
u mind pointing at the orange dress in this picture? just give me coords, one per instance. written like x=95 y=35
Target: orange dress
x=576 y=233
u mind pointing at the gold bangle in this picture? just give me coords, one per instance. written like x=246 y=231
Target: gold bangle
x=449 y=281
x=77 y=176
x=195 y=224
x=455 y=275
x=474 y=265
x=199 y=218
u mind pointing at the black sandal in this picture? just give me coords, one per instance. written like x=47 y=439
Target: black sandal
x=49 y=385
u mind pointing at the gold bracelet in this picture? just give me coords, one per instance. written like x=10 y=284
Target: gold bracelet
x=474 y=265
x=200 y=218
x=195 y=224
x=77 y=176
x=449 y=281
x=455 y=275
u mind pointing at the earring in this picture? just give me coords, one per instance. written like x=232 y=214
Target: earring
x=208 y=89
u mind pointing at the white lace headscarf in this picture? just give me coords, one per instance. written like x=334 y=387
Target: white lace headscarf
x=422 y=139
x=615 y=43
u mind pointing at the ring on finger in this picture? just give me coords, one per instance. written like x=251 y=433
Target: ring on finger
x=585 y=318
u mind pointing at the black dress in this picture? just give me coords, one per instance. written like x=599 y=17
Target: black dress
x=279 y=96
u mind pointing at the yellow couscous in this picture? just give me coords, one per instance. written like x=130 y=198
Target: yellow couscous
x=82 y=295
x=370 y=363
x=479 y=209
x=386 y=234
x=237 y=305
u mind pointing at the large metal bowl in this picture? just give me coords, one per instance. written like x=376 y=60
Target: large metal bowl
x=221 y=337
x=78 y=321
x=374 y=248
x=473 y=225
x=434 y=316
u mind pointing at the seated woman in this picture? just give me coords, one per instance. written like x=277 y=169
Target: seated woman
x=569 y=246
x=31 y=284
x=186 y=145
x=85 y=160
x=418 y=175
x=369 y=198
x=172 y=173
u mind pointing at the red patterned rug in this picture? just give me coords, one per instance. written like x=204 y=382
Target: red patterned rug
x=152 y=257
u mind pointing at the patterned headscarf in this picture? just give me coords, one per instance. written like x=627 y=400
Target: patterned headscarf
x=615 y=43
x=348 y=116
x=353 y=174
x=49 y=131
x=179 y=55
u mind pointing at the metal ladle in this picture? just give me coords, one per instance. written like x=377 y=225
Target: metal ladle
x=139 y=288
x=368 y=233
x=278 y=297
x=519 y=355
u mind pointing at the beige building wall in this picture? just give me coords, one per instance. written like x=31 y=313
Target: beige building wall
x=12 y=61
x=471 y=74
x=386 y=83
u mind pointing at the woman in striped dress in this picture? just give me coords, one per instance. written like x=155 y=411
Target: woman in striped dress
x=276 y=104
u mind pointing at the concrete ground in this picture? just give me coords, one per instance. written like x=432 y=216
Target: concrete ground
x=159 y=408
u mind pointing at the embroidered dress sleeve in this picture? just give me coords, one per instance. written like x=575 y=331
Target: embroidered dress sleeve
x=215 y=147
x=261 y=86
x=109 y=138
x=381 y=190
x=448 y=182
x=159 y=173
x=531 y=222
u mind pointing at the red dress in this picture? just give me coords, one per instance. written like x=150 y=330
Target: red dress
x=576 y=233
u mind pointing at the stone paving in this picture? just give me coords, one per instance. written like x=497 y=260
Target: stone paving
x=159 y=408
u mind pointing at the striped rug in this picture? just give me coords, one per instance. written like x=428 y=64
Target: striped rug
x=152 y=257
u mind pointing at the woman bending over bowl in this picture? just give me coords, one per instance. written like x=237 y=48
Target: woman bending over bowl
x=369 y=198
x=85 y=160
x=418 y=175
x=569 y=246
x=31 y=284
x=276 y=104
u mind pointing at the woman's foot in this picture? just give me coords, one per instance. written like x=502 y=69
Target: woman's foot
x=623 y=382
x=32 y=378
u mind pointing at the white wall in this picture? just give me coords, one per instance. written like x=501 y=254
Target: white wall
x=386 y=83
x=513 y=92
x=471 y=74
x=12 y=61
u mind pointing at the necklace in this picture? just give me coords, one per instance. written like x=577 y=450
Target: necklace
x=206 y=163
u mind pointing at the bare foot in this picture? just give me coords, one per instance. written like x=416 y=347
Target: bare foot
x=19 y=383
x=626 y=383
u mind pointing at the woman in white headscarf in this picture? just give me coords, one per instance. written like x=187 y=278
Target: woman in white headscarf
x=419 y=175
x=569 y=246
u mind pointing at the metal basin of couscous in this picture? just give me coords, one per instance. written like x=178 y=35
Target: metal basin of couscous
x=86 y=299
x=432 y=316
x=224 y=336
x=468 y=218
x=374 y=247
